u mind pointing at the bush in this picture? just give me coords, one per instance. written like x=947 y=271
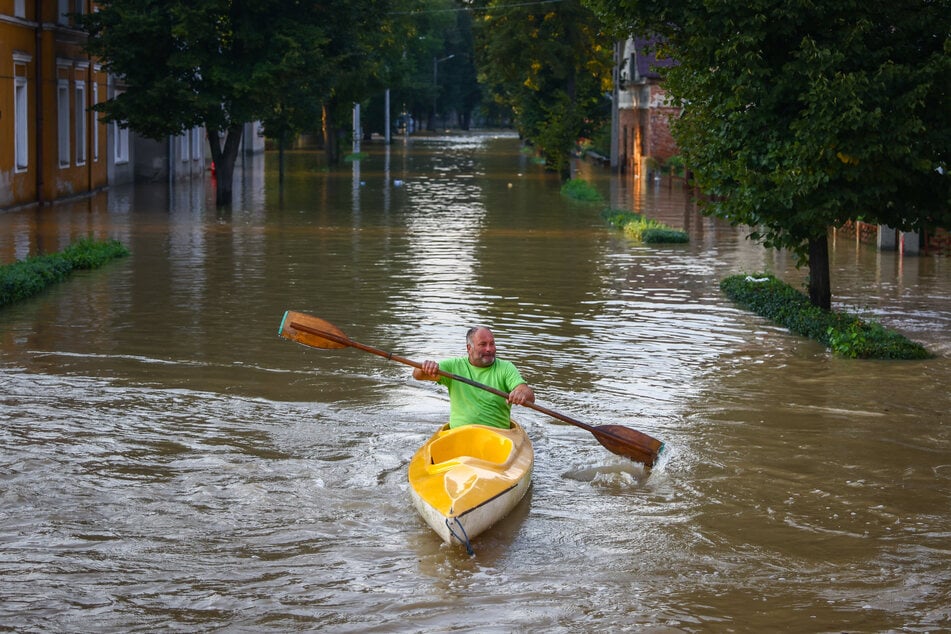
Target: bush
x=647 y=230
x=845 y=334
x=581 y=190
x=28 y=277
x=658 y=235
x=89 y=254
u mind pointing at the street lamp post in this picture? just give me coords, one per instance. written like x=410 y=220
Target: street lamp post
x=435 y=84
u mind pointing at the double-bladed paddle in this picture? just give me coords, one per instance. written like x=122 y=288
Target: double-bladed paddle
x=623 y=441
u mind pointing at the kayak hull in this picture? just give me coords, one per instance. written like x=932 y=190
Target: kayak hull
x=466 y=479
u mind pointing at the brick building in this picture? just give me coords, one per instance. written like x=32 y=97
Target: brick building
x=643 y=114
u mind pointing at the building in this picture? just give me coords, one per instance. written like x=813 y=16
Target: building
x=51 y=144
x=643 y=114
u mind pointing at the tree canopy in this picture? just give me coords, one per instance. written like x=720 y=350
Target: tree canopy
x=799 y=116
x=551 y=64
x=222 y=63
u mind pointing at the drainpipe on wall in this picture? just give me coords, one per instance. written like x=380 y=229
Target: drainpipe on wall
x=38 y=101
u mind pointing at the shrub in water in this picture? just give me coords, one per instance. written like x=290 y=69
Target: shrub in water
x=659 y=235
x=845 y=334
x=647 y=230
x=581 y=190
x=28 y=277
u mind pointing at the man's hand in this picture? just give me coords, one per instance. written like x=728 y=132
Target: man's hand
x=521 y=395
x=428 y=372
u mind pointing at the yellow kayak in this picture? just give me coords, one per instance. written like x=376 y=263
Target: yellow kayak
x=464 y=480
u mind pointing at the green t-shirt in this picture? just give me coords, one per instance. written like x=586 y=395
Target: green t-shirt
x=470 y=405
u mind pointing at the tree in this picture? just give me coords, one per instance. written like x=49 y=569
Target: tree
x=799 y=116
x=551 y=63
x=221 y=64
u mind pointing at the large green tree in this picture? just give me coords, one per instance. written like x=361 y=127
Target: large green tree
x=799 y=115
x=551 y=64
x=222 y=63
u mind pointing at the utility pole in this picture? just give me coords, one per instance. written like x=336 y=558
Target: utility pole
x=436 y=84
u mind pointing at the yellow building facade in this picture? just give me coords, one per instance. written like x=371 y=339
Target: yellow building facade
x=52 y=145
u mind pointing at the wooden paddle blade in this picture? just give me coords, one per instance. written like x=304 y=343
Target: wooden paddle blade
x=629 y=443
x=292 y=320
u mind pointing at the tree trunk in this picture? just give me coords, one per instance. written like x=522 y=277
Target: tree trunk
x=820 y=285
x=224 y=159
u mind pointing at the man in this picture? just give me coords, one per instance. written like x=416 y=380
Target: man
x=470 y=405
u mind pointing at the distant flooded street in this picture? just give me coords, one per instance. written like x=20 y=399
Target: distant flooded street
x=167 y=462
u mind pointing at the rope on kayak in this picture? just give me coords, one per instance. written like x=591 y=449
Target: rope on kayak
x=464 y=539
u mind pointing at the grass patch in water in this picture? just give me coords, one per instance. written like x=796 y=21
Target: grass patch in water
x=647 y=230
x=582 y=190
x=26 y=278
x=845 y=334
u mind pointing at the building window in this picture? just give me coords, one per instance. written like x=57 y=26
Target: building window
x=21 y=118
x=62 y=113
x=196 y=144
x=121 y=140
x=93 y=119
x=21 y=111
x=19 y=8
x=80 y=123
x=183 y=146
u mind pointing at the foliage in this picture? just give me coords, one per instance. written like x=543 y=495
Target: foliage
x=600 y=140
x=28 y=277
x=217 y=63
x=413 y=35
x=664 y=235
x=845 y=334
x=675 y=165
x=647 y=230
x=551 y=64
x=582 y=190
x=802 y=115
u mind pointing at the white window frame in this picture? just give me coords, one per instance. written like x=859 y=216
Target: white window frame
x=120 y=138
x=93 y=118
x=196 y=143
x=21 y=112
x=63 y=109
x=21 y=121
x=80 y=94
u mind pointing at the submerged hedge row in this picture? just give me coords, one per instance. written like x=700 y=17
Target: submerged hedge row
x=644 y=229
x=28 y=277
x=845 y=334
x=634 y=225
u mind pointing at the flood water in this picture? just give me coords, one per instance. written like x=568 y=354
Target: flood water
x=168 y=463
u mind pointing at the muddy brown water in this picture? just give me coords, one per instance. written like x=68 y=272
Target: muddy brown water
x=167 y=462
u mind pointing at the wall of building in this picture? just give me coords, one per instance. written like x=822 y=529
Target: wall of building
x=51 y=143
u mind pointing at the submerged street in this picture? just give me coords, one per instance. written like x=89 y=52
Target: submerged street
x=167 y=461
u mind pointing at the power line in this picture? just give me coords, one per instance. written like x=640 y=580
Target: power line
x=473 y=9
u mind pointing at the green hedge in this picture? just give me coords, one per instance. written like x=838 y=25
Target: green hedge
x=845 y=334
x=644 y=229
x=581 y=190
x=664 y=236
x=28 y=277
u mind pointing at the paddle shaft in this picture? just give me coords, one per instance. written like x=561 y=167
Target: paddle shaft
x=606 y=437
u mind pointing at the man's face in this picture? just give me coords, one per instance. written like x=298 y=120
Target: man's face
x=481 y=349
